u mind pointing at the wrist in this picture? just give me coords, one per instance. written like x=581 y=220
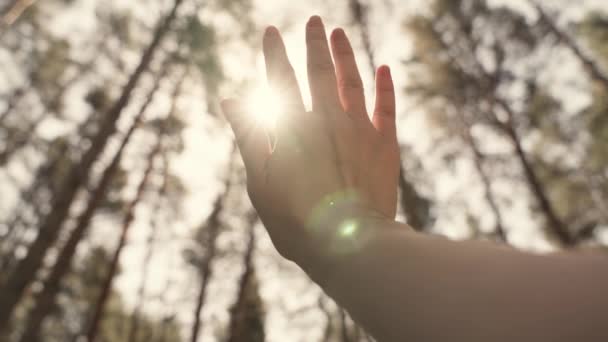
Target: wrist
x=340 y=226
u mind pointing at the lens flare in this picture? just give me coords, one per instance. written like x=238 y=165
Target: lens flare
x=348 y=229
x=264 y=106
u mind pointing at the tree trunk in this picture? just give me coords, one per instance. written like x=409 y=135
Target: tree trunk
x=141 y=292
x=129 y=217
x=213 y=225
x=45 y=301
x=170 y=313
x=17 y=224
x=327 y=331
x=590 y=65
x=18 y=139
x=14 y=287
x=246 y=323
x=33 y=200
x=532 y=180
x=344 y=329
x=478 y=160
x=128 y=221
x=13 y=101
x=536 y=187
x=415 y=208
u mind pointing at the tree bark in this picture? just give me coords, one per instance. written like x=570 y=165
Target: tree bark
x=127 y=223
x=478 y=160
x=130 y=216
x=141 y=292
x=15 y=97
x=245 y=323
x=45 y=301
x=536 y=187
x=344 y=329
x=213 y=225
x=14 y=287
x=590 y=65
x=327 y=331
x=18 y=139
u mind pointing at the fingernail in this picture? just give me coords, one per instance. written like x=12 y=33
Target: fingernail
x=339 y=32
x=315 y=20
x=385 y=69
x=271 y=31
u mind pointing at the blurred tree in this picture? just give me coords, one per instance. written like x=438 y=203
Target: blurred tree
x=247 y=312
x=478 y=73
x=162 y=127
x=15 y=284
x=79 y=290
x=164 y=194
x=45 y=300
x=416 y=208
x=51 y=73
x=593 y=67
x=467 y=65
x=203 y=253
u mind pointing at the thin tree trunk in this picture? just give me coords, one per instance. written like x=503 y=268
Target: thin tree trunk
x=327 y=331
x=129 y=217
x=16 y=226
x=415 y=208
x=344 y=330
x=45 y=301
x=14 y=287
x=532 y=180
x=30 y=202
x=478 y=160
x=360 y=16
x=206 y=274
x=15 y=98
x=170 y=314
x=141 y=292
x=213 y=225
x=18 y=139
x=590 y=65
x=536 y=187
x=241 y=328
x=106 y=287
x=44 y=174
x=595 y=71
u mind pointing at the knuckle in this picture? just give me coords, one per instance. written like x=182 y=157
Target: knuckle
x=384 y=113
x=350 y=83
x=321 y=66
x=343 y=48
x=284 y=70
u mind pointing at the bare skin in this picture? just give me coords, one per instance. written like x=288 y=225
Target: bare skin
x=351 y=154
x=327 y=194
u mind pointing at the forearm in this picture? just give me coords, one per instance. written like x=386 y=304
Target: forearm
x=404 y=286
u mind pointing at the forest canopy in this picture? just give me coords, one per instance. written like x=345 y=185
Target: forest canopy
x=124 y=213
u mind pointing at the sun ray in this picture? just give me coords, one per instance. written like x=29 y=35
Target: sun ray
x=264 y=106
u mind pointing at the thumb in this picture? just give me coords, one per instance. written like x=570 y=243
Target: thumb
x=251 y=137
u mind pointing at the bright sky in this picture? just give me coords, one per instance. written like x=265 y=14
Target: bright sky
x=204 y=161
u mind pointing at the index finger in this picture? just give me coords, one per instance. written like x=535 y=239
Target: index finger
x=280 y=73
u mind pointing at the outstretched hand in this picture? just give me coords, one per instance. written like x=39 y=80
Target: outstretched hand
x=329 y=166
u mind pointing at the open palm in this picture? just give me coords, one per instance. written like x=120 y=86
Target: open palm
x=332 y=155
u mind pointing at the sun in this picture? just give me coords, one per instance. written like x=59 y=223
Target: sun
x=264 y=106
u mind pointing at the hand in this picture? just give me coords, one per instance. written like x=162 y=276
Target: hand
x=329 y=166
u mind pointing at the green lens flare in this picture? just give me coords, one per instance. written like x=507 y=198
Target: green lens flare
x=348 y=229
